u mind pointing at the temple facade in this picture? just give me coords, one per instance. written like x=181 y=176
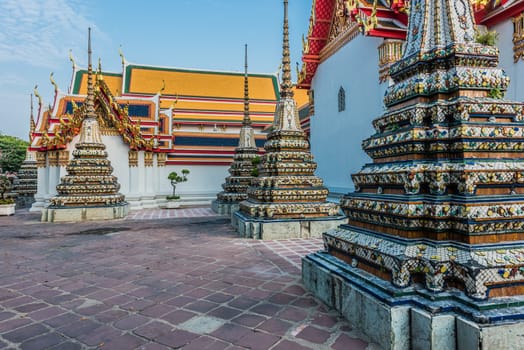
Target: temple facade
x=349 y=47
x=156 y=120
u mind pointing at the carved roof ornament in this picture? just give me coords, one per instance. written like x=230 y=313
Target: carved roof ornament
x=72 y=59
x=53 y=82
x=121 y=54
x=32 y=125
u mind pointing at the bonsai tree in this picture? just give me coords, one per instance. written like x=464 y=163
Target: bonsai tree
x=175 y=180
x=5 y=187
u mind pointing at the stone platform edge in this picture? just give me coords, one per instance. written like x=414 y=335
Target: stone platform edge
x=68 y=214
x=408 y=318
x=269 y=229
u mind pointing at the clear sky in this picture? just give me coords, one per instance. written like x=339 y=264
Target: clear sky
x=36 y=36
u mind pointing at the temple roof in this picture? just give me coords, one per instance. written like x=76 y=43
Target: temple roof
x=148 y=80
x=192 y=115
x=380 y=18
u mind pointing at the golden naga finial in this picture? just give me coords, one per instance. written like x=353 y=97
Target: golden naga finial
x=71 y=58
x=35 y=90
x=121 y=54
x=305 y=45
x=32 y=125
x=53 y=82
x=162 y=88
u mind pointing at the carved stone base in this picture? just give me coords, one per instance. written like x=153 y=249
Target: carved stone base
x=224 y=208
x=69 y=214
x=413 y=318
x=481 y=271
x=269 y=229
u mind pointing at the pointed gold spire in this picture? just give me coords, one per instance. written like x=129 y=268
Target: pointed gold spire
x=247 y=119
x=32 y=125
x=90 y=100
x=286 y=85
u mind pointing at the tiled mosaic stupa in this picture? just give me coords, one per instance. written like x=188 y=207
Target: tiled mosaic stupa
x=437 y=220
x=286 y=200
x=25 y=186
x=89 y=191
x=241 y=170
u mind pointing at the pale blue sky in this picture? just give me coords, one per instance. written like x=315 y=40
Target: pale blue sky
x=36 y=36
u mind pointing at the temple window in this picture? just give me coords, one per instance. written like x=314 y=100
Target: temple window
x=311 y=97
x=518 y=37
x=341 y=99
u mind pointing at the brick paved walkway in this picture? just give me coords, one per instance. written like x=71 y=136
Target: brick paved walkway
x=157 y=284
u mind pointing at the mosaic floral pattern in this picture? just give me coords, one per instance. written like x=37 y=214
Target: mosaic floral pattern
x=448 y=161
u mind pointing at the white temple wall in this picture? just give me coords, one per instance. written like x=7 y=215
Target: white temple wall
x=336 y=137
x=117 y=153
x=514 y=70
x=203 y=181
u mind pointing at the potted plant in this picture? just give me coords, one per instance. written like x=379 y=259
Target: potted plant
x=173 y=200
x=7 y=205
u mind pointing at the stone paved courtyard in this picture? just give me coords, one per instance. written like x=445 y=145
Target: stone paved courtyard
x=151 y=282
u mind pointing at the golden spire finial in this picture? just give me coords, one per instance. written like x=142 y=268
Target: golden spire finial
x=72 y=59
x=53 y=82
x=32 y=125
x=90 y=99
x=286 y=84
x=247 y=120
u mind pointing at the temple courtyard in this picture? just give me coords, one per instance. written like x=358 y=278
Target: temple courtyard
x=159 y=279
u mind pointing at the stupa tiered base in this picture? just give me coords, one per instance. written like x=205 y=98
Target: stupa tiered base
x=412 y=317
x=75 y=214
x=282 y=227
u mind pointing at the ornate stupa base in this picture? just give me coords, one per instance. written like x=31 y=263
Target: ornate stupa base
x=78 y=214
x=413 y=317
x=284 y=228
x=224 y=208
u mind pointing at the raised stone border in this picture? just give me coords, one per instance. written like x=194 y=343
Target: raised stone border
x=67 y=214
x=250 y=227
x=410 y=318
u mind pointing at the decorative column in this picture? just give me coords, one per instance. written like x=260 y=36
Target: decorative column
x=133 y=196
x=42 y=189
